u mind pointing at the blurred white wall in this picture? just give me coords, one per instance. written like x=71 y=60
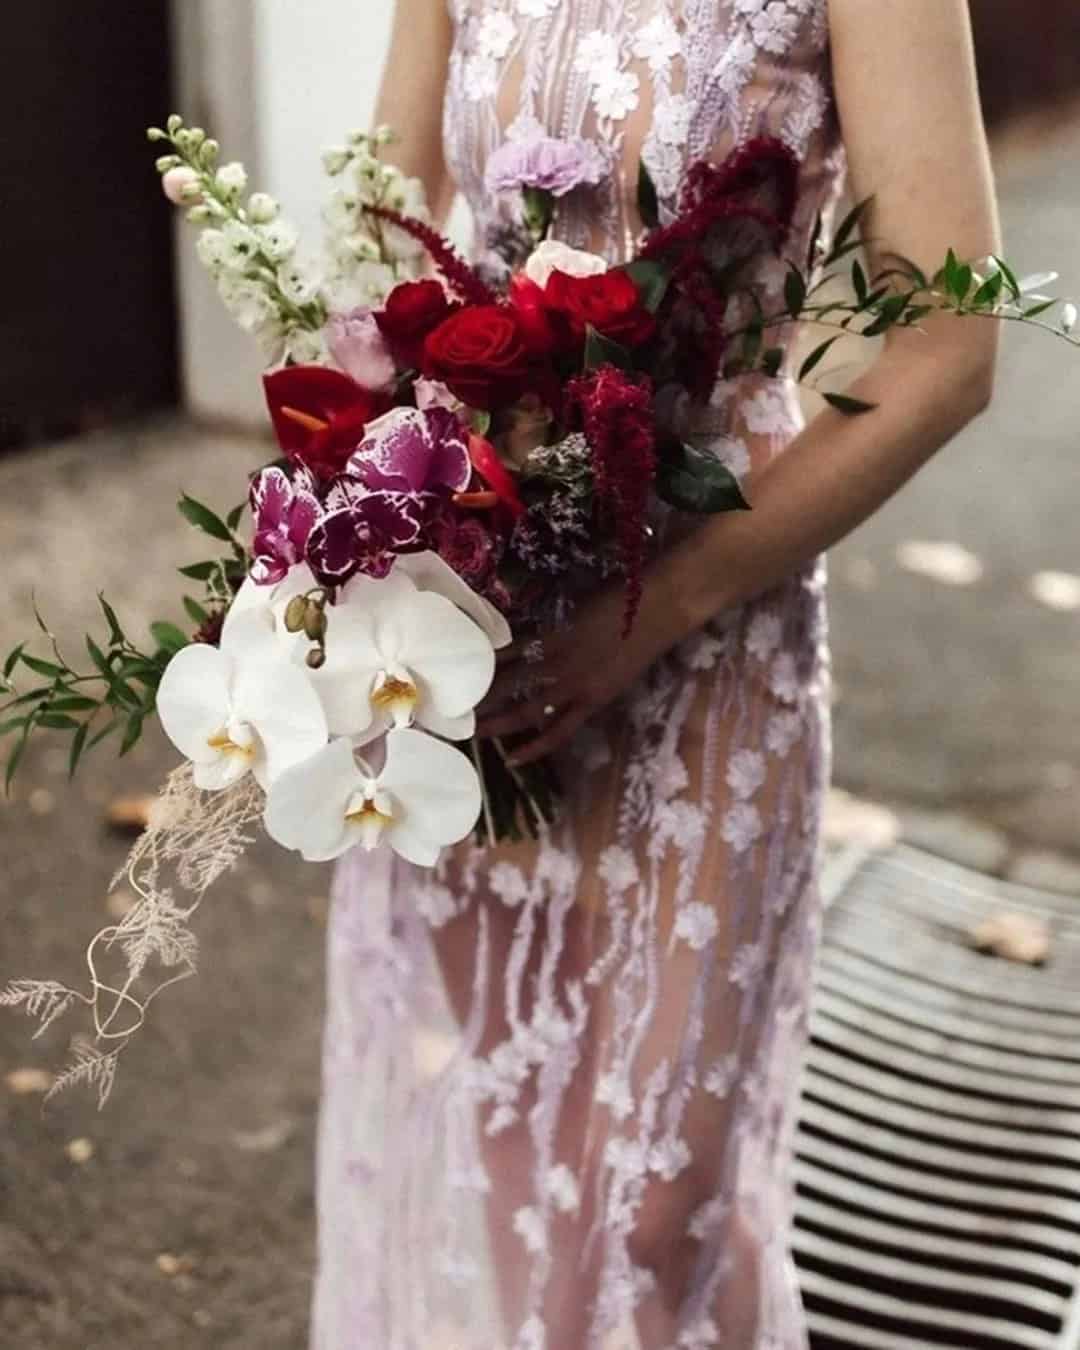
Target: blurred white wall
x=276 y=81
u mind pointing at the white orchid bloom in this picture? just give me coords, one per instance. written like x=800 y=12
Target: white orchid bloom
x=366 y=629
x=239 y=708
x=426 y=797
x=396 y=654
x=431 y=573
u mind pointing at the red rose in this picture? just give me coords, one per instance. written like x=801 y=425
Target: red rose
x=320 y=415
x=412 y=311
x=480 y=354
x=608 y=302
x=534 y=315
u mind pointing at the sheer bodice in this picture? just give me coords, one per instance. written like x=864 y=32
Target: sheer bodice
x=561 y=1075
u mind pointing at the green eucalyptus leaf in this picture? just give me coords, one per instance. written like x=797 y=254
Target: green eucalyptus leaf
x=648 y=202
x=692 y=480
x=195 y=611
x=850 y=407
x=57 y=721
x=169 y=637
x=235 y=516
x=200 y=571
x=1009 y=275
x=794 y=292
x=1038 y=309
x=132 y=732
x=772 y=360
x=204 y=519
x=889 y=313
x=602 y=351
x=816 y=357
x=858 y=281
x=13 y=659
x=988 y=293
x=72 y=703
x=845 y=231
x=39 y=667
x=78 y=745
x=652 y=278
x=116 y=633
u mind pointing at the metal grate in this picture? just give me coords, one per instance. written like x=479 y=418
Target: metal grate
x=938 y=1162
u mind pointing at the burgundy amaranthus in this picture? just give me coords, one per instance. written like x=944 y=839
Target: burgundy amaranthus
x=619 y=424
x=466 y=282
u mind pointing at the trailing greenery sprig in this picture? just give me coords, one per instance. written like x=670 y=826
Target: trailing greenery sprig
x=114 y=689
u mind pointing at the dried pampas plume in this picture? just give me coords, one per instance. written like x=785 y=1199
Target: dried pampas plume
x=192 y=838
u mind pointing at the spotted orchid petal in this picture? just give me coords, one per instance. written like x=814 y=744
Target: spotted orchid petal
x=285 y=513
x=413 y=450
x=241 y=708
x=426 y=797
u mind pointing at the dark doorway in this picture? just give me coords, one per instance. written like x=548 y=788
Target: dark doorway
x=87 y=316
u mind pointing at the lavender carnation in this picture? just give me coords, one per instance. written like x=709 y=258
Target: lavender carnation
x=552 y=165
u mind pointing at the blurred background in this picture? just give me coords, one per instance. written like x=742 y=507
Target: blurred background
x=182 y=1217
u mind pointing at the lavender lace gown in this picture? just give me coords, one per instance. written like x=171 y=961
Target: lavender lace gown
x=560 y=1079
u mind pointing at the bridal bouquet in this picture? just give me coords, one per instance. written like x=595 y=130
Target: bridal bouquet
x=461 y=454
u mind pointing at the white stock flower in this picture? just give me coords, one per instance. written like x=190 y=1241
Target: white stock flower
x=240 y=244
x=232 y=178
x=335 y=160
x=426 y=797
x=242 y=707
x=277 y=240
x=396 y=654
x=262 y=208
x=211 y=249
x=553 y=256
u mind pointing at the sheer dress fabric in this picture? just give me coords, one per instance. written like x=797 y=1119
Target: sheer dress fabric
x=560 y=1077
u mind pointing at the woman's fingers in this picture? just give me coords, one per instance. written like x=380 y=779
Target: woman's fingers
x=557 y=731
x=526 y=716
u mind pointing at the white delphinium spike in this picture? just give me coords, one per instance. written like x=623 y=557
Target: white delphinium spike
x=426 y=796
x=239 y=708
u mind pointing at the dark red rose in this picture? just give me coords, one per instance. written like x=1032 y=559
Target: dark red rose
x=540 y=332
x=319 y=415
x=480 y=354
x=412 y=311
x=609 y=302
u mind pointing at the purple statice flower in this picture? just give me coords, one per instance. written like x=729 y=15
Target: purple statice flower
x=356 y=343
x=547 y=163
x=413 y=450
x=285 y=512
x=409 y=462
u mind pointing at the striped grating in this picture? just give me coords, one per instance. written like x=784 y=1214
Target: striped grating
x=938 y=1162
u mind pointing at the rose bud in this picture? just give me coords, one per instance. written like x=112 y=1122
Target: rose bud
x=181 y=186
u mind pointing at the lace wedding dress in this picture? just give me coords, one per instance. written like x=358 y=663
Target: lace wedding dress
x=560 y=1078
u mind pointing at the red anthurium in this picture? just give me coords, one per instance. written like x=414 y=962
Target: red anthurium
x=319 y=415
x=493 y=471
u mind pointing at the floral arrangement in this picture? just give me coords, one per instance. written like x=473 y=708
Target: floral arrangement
x=459 y=459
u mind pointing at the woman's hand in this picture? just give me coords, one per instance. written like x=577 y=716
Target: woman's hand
x=584 y=666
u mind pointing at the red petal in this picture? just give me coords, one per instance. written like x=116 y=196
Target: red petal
x=315 y=390
x=494 y=472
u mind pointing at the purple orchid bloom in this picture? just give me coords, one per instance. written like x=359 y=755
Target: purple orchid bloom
x=285 y=511
x=421 y=452
x=547 y=163
x=363 y=531
x=409 y=462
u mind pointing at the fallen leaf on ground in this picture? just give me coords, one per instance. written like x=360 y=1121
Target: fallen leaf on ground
x=25 y=1082
x=849 y=820
x=1056 y=590
x=129 y=814
x=267 y=1140
x=1016 y=937
x=170 y=1264
x=943 y=561
x=80 y=1150
x=120 y=903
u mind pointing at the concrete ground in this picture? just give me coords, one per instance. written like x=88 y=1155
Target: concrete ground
x=181 y=1218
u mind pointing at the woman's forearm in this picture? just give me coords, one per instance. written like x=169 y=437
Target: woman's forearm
x=839 y=470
